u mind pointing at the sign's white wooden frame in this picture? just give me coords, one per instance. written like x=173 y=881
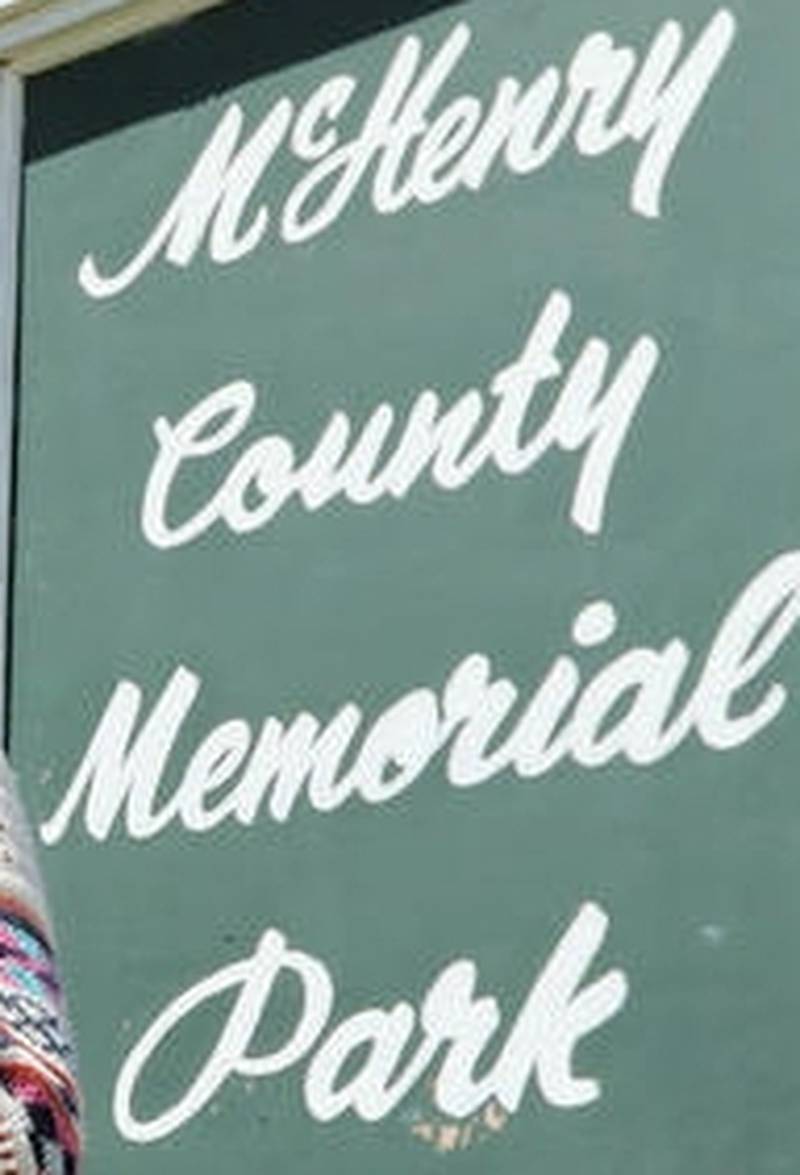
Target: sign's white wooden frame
x=36 y=35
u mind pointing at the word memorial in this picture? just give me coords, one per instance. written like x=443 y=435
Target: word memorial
x=407 y=587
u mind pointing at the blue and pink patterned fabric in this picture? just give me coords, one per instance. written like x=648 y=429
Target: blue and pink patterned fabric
x=39 y=1099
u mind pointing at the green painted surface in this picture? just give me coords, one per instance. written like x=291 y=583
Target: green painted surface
x=696 y=858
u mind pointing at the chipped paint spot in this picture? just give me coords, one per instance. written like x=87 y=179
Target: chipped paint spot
x=713 y=934
x=446 y=1135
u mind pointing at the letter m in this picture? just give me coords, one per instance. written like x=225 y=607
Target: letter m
x=121 y=765
x=216 y=190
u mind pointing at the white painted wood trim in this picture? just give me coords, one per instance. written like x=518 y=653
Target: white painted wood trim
x=11 y=116
x=22 y=23
x=35 y=36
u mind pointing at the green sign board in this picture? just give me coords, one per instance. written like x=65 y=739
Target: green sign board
x=407 y=568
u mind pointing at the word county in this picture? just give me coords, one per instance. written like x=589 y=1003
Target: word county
x=591 y=415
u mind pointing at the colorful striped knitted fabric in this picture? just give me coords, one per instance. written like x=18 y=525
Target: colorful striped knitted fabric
x=39 y=1103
